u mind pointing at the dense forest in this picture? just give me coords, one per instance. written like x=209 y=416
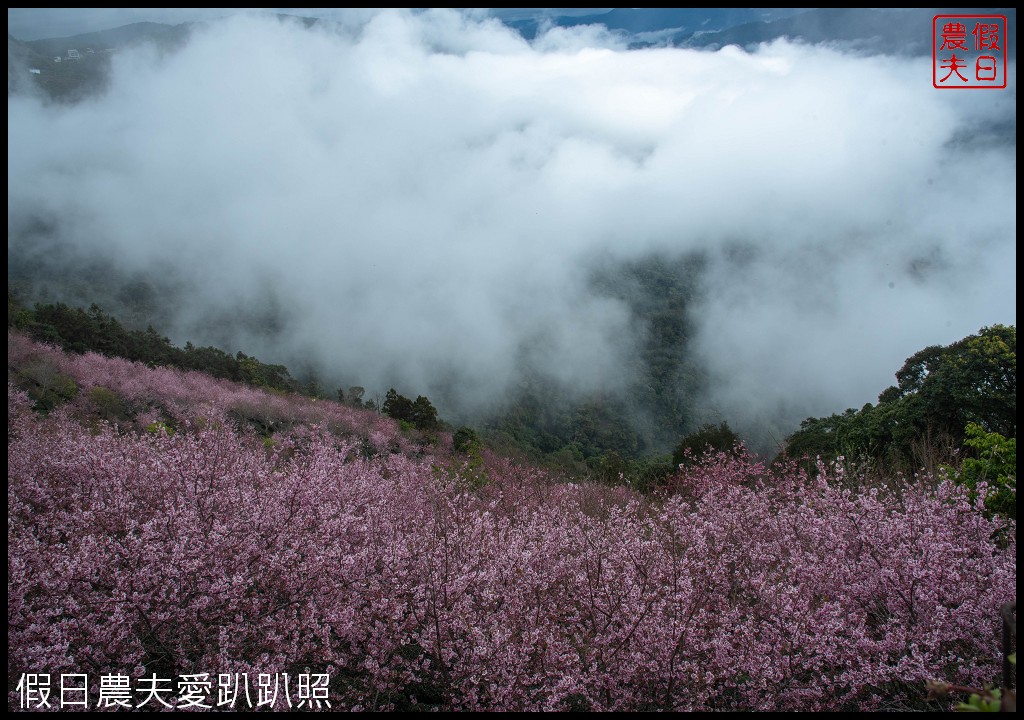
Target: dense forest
x=939 y=391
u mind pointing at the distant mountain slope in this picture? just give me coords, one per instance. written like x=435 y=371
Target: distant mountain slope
x=871 y=30
x=20 y=57
x=71 y=68
x=84 y=60
x=108 y=39
x=645 y=20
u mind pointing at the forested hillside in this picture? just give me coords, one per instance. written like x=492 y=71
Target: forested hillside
x=940 y=392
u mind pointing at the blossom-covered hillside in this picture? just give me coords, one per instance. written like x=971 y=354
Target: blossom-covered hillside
x=164 y=525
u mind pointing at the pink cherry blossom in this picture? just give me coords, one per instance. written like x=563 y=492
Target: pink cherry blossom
x=207 y=550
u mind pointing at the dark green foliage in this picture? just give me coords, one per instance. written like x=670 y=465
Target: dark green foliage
x=551 y=425
x=424 y=415
x=816 y=436
x=465 y=441
x=709 y=438
x=107 y=405
x=648 y=474
x=643 y=474
x=81 y=331
x=355 y=395
x=47 y=387
x=660 y=292
x=419 y=413
x=583 y=434
x=939 y=392
x=17 y=316
x=610 y=467
x=274 y=377
x=213 y=361
x=311 y=383
x=971 y=381
x=469 y=450
x=397 y=406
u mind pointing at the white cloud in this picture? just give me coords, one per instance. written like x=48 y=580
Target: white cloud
x=425 y=194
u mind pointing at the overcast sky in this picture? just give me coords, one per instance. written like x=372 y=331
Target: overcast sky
x=426 y=196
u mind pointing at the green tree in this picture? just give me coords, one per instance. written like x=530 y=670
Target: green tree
x=355 y=396
x=465 y=441
x=939 y=391
x=973 y=380
x=424 y=414
x=419 y=413
x=709 y=437
x=993 y=461
x=397 y=406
